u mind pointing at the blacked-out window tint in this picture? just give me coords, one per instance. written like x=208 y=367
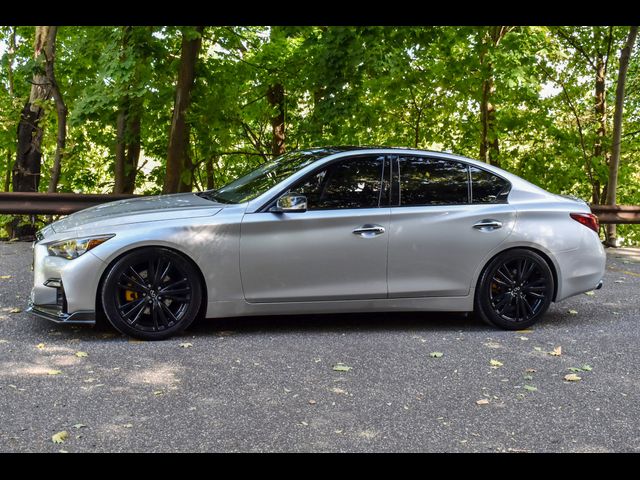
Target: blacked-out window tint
x=432 y=181
x=488 y=188
x=351 y=183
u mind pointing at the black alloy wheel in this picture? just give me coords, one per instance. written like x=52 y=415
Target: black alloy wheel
x=514 y=290
x=152 y=293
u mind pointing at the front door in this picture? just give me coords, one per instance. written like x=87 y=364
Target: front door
x=336 y=250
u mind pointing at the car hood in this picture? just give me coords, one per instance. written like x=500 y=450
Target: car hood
x=136 y=210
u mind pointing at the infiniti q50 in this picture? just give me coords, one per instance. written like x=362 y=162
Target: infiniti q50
x=327 y=230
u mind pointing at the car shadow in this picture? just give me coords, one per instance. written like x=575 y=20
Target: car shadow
x=343 y=322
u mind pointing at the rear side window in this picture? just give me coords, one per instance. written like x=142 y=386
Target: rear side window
x=488 y=188
x=432 y=181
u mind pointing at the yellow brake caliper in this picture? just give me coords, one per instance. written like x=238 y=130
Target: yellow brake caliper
x=130 y=295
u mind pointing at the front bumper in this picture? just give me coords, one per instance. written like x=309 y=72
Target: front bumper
x=55 y=314
x=64 y=291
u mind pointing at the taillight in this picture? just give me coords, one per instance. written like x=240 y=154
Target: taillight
x=587 y=219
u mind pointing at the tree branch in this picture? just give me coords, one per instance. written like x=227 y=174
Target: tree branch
x=576 y=46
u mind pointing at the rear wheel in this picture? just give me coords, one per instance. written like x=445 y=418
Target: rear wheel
x=515 y=290
x=151 y=293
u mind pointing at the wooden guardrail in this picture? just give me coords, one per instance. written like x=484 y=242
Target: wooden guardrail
x=66 y=203
x=52 y=203
x=617 y=213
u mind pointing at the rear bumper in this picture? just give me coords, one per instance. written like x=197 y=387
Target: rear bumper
x=582 y=269
x=55 y=314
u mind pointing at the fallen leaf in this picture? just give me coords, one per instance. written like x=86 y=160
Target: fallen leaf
x=556 y=352
x=524 y=331
x=572 y=377
x=618 y=281
x=482 y=401
x=53 y=372
x=15 y=310
x=128 y=425
x=573 y=312
x=530 y=370
x=4 y=277
x=586 y=368
x=537 y=349
x=40 y=346
x=304 y=423
x=339 y=391
x=81 y=354
x=186 y=345
x=60 y=437
x=574 y=369
x=492 y=345
x=495 y=363
x=530 y=388
x=341 y=367
x=312 y=402
x=436 y=354
x=158 y=392
x=523 y=338
x=590 y=293
x=79 y=425
x=528 y=377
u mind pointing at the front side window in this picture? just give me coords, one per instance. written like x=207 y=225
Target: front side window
x=351 y=183
x=488 y=188
x=432 y=181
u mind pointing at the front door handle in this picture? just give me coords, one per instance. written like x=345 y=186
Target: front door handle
x=369 y=230
x=488 y=224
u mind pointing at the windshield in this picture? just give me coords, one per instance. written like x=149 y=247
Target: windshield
x=264 y=177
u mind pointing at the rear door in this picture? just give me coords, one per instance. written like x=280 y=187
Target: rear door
x=439 y=234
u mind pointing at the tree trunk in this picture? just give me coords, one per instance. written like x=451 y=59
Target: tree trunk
x=11 y=51
x=211 y=179
x=601 y=118
x=275 y=96
x=10 y=55
x=489 y=147
x=7 y=175
x=26 y=168
x=134 y=121
x=61 y=108
x=178 y=177
x=128 y=125
x=614 y=161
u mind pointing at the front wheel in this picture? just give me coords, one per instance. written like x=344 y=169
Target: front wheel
x=514 y=290
x=151 y=293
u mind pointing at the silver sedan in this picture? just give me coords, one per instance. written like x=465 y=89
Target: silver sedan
x=323 y=231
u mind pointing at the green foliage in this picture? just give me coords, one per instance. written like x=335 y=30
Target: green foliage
x=404 y=86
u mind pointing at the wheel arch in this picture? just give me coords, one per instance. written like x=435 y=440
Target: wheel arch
x=203 y=304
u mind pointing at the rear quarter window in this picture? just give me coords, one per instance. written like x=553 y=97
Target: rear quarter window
x=487 y=187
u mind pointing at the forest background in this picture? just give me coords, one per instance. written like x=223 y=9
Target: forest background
x=163 y=109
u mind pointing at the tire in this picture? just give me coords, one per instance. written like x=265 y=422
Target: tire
x=151 y=293
x=514 y=290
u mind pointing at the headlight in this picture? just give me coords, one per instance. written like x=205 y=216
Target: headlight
x=75 y=247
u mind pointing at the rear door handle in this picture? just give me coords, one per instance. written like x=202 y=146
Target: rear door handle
x=488 y=224
x=369 y=230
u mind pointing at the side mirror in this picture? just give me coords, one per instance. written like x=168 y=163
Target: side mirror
x=290 y=203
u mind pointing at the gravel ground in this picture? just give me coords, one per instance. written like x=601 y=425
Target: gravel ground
x=268 y=384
